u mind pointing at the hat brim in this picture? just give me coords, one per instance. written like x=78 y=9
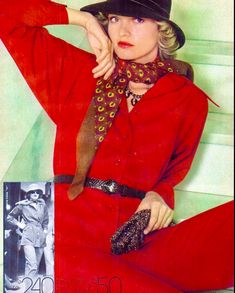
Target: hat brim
x=131 y=9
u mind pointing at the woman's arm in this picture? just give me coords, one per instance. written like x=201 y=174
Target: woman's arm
x=37 y=54
x=45 y=221
x=50 y=66
x=98 y=39
x=13 y=215
x=161 y=198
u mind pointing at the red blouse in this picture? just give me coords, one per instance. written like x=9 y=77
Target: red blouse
x=150 y=148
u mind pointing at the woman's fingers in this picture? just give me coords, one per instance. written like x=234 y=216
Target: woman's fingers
x=105 y=49
x=109 y=72
x=99 y=50
x=105 y=61
x=105 y=54
x=160 y=218
x=167 y=217
x=161 y=215
x=103 y=71
x=103 y=64
x=99 y=41
x=105 y=68
x=153 y=219
x=167 y=223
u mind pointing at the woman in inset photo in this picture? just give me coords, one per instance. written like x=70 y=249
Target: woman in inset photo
x=129 y=120
x=31 y=217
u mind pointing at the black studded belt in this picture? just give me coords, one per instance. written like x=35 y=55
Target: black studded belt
x=108 y=186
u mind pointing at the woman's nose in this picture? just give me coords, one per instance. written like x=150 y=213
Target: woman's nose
x=125 y=29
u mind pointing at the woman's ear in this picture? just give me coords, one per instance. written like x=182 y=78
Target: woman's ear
x=158 y=26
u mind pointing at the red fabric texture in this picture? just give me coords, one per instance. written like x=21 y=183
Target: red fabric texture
x=150 y=148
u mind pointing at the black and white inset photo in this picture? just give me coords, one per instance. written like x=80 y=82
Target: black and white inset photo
x=28 y=237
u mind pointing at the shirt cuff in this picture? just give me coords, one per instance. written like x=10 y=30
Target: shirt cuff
x=60 y=16
x=49 y=13
x=166 y=191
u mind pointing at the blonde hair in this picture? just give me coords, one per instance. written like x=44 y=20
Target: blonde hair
x=168 y=43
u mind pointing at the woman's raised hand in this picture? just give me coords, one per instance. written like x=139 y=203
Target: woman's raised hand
x=161 y=213
x=98 y=39
x=21 y=225
x=102 y=47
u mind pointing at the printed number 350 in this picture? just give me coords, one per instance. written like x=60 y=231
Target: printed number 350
x=111 y=285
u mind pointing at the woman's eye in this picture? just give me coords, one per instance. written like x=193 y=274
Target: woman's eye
x=138 y=19
x=113 y=19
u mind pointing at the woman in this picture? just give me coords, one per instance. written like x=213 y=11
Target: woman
x=128 y=128
x=31 y=216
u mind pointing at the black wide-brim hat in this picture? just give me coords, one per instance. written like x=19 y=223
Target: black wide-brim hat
x=155 y=9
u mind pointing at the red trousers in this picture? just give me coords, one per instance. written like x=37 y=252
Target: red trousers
x=195 y=255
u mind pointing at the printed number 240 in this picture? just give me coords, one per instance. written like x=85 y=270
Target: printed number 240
x=44 y=285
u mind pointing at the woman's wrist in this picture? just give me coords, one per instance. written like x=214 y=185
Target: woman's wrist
x=78 y=17
x=155 y=195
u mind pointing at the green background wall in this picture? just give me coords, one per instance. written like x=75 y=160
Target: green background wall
x=27 y=134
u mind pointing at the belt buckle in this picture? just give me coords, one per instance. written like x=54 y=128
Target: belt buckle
x=110 y=186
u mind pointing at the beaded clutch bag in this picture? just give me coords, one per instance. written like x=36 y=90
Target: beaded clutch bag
x=130 y=236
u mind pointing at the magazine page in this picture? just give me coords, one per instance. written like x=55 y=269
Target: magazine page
x=116 y=146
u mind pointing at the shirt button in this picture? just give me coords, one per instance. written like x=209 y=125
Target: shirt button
x=117 y=162
x=111 y=208
x=125 y=136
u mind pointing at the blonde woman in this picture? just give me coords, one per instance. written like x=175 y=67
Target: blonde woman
x=129 y=120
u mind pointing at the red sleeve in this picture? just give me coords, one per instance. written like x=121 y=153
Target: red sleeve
x=191 y=128
x=50 y=66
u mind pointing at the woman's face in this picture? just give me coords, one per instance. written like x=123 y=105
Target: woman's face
x=34 y=195
x=134 y=38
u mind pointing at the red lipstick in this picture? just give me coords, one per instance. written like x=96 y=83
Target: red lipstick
x=124 y=45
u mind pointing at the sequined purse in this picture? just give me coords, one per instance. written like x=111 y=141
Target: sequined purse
x=130 y=236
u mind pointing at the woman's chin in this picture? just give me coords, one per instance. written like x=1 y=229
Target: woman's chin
x=124 y=55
